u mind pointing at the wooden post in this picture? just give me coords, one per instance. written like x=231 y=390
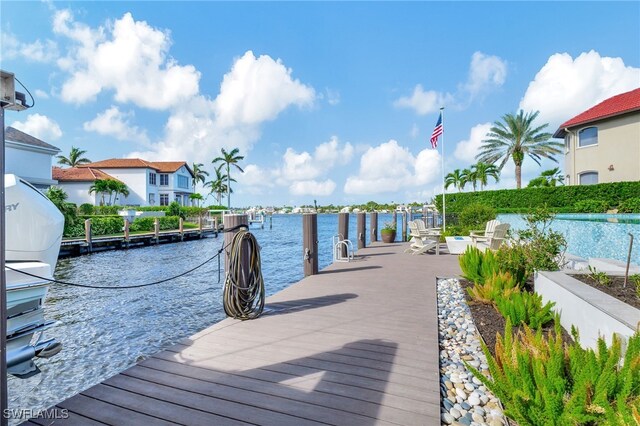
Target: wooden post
x=156 y=229
x=310 y=243
x=394 y=219
x=404 y=226
x=200 y=225
x=230 y=221
x=215 y=223
x=87 y=235
x=424 y=216
x=343 y=229
x=270 y=220
x=373 y=224
x=126 y=232
x=362 y=229
x=181 y=228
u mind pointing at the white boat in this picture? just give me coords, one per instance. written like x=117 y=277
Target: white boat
x=34 y=229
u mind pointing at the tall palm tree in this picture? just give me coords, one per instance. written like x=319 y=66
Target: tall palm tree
x=117 y=188
x=550 y=177
x=197 y=197
x=75 y=158
x=100 y=186
x=516 y=137
x=455 y=178
x=469 y=176
x=199 y=174
x=229 y=158
x=483 y=171
x=218 y=185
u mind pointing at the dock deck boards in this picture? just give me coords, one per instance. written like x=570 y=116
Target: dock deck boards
x=356 y=344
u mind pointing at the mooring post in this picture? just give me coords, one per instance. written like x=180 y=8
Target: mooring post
x=394 y=220
x=270 y=220
x=404 y=226
x=310 y=243
x=126 y=232
x=343 y=230
x=374 y=227
x=200 y=225
x=230 y=221
x=181 y=228
x=156 y=229
x=361 y=222
x=87 y=235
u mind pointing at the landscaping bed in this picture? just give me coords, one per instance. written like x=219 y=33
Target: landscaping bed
x=614 y=288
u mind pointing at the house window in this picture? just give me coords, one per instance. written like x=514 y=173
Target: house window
x=164 y=180
x=588 y=136
x=588 y=178
x=567 y=143
x=164 y=199
x=179 y=199
x=152 y=199
x=152 y=179
x=183 y=182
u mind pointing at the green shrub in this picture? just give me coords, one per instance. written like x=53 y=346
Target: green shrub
x=543 y=247
x=475 y=216
x=106 y=210
x=599 y=276
x=542 y=381
x=632 y=205
x=524 y=308
x=147 y=224
x=174 y=209
x=614 y=194
x=477 y=265
x=513 y=259
x=497 y=285
x=86 y=209
x=591 y=206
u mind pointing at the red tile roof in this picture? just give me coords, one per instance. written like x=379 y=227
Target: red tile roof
x=138 y=163
x=79 y=174
x=169 y=166
x=616 y=105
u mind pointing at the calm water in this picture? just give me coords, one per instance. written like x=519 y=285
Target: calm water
x=105 y=331
x=593 y=235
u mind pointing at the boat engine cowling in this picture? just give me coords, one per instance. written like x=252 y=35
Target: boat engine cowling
x=34 y=225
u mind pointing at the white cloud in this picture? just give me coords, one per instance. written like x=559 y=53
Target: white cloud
x=466 y=150
x=486 y=73
x=333 y=96
x=39 y=126
x=423 y=102
x=390 y=167
x=313 y=187
x=41 y=94
x=37 y=51
x=128 y=57
x=415 y=131
x=565 y=87
x=257 y=90
x=113 y=122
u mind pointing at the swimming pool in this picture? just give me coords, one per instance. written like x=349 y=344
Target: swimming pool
x=593 y=235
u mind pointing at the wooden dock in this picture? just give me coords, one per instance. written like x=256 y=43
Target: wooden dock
x=356 y=344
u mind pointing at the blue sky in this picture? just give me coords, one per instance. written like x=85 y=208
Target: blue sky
x=327 y=101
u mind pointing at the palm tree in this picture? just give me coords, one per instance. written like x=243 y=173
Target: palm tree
x=75 y=158
x=549 y=177
x=59 y=197
x=455 y=178
x=229 y=158
x=483 y=171
x=515 y=137
x=469 y=176
x=199 y=174
x=117 y=188
x=100 y=186
x=196 y=197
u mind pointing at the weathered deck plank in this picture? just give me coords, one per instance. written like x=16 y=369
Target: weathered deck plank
x=356 y=344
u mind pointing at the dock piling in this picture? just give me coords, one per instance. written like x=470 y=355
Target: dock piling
x=126 y=232
x=404 y=226
x=362 y=229
x=374 y=227
x=310 y=243
x=87 y=234
x=156 y=229
x=343 y=230
x=200 y=225
x=181 y=228
x=394 y=220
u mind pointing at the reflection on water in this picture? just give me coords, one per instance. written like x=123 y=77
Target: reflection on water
x=106 y=331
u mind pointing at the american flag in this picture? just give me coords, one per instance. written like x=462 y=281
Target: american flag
x=437 y=131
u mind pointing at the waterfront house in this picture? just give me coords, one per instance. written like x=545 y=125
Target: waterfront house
x=29 y=157
x=602 y=144
x=76 y=182
x=150 y=183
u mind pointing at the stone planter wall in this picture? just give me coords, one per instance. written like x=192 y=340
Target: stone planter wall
x=591 y=311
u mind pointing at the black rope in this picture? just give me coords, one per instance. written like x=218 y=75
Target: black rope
x=53 y=280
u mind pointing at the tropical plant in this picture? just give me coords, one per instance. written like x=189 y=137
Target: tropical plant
x=542 y=381
x=591 y=206
x=86 y=209
x=469 y=176
x=495 y=286
x=599 y=276
x=197 y=198
x=543 y=247
x=632 y=205
x=522 y=307
x=513 y=259
x=388 y=227
x=476 y=215
x=477 y=266
x=59 y=197
x=199 y=174
x=229 y=159
x=455 y=178
x=481 y=173
x=74 y=159
x=516 y=137
x=551 y=177
x=175 y=209
x=218 y=185
x=116 y=188
x=101 y=187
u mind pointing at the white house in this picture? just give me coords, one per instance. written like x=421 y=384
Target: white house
x=29 y=157
x=149 y=183
x=76 y=182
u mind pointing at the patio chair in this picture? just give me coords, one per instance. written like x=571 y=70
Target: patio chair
x=417 y=234
x=427 y=231
x=421 y=246
x=498 y=238
x=484 y=236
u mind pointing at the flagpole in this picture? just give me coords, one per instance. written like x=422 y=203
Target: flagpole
x=444 y=208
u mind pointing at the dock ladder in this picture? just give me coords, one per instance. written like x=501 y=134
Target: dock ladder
x=340 y=245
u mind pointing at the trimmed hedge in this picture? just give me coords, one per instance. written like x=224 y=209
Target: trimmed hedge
x=559 y=199
x=106 y=225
